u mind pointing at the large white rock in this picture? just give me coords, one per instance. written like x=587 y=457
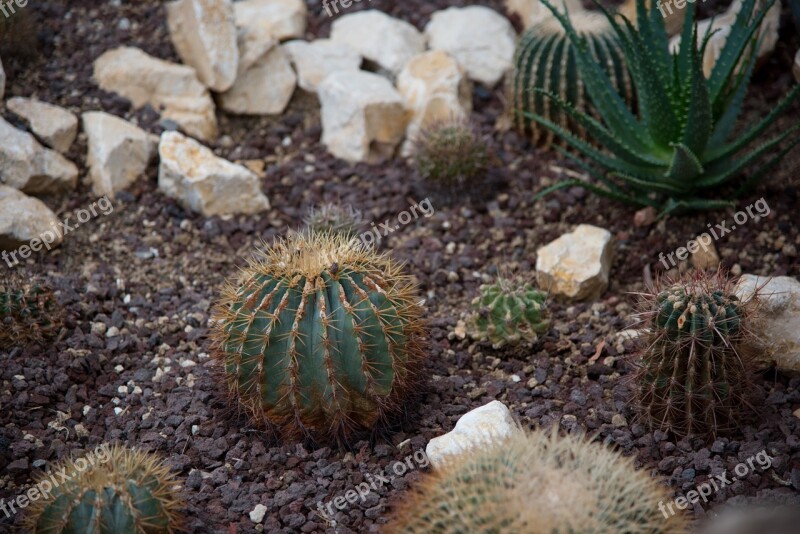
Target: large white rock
x=777 y=318
x=363 y=118
x=205 y=183
x=204 y=35
x=315 y=60
x=387 y=41
x=169 y=88
x=481 y=39
x=2 y=80
x=266 y=80
x=54 y=126
x=24 y=219
x=534 y=11
x=282 y=19
x=577 y=264
x=28 y=166
x=436 y=89
x=478 y=428
x=119 y=152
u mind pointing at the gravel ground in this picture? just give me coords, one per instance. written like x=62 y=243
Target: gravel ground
x=131 y=364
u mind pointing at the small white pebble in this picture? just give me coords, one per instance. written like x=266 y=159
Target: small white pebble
x=123 y=390
x=515 y=378
x=86 y=410
x=119 y=368
x=258 y=513
x=112 y=332
x=137 y=390
x=118 y=410
x=187 y=363
x=195 y=430
x=99 y=328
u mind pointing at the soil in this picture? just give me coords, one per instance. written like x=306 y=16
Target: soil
x=131 y=364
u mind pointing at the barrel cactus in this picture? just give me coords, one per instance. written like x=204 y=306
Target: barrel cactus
x=123 y=491
x=545 y=60
x=29 y=313
x=320 y=337
x=509 y=311
x=536 y=483
x=692 y=380
x=332 y=217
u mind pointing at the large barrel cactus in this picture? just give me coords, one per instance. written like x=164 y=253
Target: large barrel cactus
x=545 y=60
x=122 y=491
x=320 y=336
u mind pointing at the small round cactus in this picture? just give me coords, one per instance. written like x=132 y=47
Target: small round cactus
x=29 y=313
x=321 y=337
x=509 y=311
x=123 y=491
x=536 y=483
x=334 y=218
x=692 y=380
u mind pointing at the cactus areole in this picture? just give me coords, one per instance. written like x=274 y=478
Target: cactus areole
x=320 y=337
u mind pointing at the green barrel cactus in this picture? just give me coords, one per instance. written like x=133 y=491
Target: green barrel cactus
x=123 y=491
x=509 y=311
x=320 y=337
x=29 y=313
x=545 y=60
x=692 y=379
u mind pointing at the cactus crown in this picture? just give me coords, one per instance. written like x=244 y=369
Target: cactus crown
x=579 y=487
x=29 y=313
x=131 y=492
x=320 y=336
x=449 y=157
x=692 y=379
x=334 y=218
x=509 y=311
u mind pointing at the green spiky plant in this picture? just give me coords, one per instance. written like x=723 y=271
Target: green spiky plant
x=683 y=146
x=321 y=337
x=509 y=311
x=536 y=483
x=123 y=491
x=692 y=378
x=545 y=60
x=29 y=313
x=335 y=218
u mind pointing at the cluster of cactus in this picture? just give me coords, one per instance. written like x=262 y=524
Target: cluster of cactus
x=692 y=379
x=545 y=62
x=509 y=311
x=334 y=218
x=29 y=314
x=451 y=158
x=536 y=483
x=320 y=337
x=126 y=491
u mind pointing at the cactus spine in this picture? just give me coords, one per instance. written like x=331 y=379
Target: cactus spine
x=509 y=311
x=29 y=314
x=320 y=336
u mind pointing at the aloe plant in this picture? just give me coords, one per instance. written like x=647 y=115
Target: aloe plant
x=679 y=150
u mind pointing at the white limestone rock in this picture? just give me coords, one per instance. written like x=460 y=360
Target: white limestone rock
x=54 y=126
x=363 y=118
x=315 y=60
x=204 y=35
x=169 y=88
x=534 y=11
x=119 y=152
x=482 y=41
x=2 y=80
x=24 y=219
x=576 y=266
x=205 y=183
x=282 y=19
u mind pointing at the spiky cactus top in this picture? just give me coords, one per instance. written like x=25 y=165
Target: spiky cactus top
x=123 y=491
x=509 y=311
x=29 y=313
x=692 y=379
x=334 y=218
x=537 y=483
x=320 y=336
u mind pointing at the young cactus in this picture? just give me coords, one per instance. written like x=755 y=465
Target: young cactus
x=335 y=218
x=320 y=337
x=509 y=311
x=536 y=483
x=29 y=314
x=122 y=491
x=692 y=380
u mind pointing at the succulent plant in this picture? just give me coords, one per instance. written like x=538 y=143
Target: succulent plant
x=450 y=158
x=335 y=218
x=29 y=313
x=678 y=152
x=536 y=483
x=321 y=337
x=130 y=492
x=509 y=311
x=545 y=60
x=692 y=380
